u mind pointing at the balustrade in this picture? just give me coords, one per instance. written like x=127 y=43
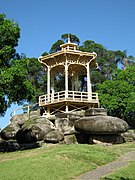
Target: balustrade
x=75 y=96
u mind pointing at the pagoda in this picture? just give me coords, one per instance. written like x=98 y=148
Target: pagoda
x=72 y=64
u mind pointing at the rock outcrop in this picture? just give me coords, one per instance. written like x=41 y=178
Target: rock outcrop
x=101 y=125
x=90 y=126
x=10 y=131
x=54 y=136
x=34 y=130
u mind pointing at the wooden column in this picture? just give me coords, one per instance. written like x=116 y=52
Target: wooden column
x=89 y=89
x=73 y=83
x=48 y=83
x=66 y=84
x=52 y=87
x=66 y=80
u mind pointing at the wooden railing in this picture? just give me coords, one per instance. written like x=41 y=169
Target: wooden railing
x=25 y=109
x=75 y=96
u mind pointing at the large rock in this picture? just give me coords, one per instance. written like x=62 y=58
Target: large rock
x=54 y=137
x=9 y=132
x=96 y=112
x=34 y=114
x=64 y=125
x=19 y=119
x=34 y=130
x=107 y=138
x=70 y=139
x=129 y=136
x=9 y=146
x=101 y=125
x=71 y=116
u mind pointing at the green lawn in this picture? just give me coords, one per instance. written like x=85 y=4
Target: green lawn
x=57 y=162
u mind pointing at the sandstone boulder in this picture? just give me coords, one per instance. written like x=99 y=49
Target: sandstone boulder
x=107 y=138
x=129 y=136
x=9 y=146
x=101 y=125
x=96 y=112
x=34 y=130
x=70 y=139
x=64 y=125
x=9 y=132
x=54 y=137
x=34 y=114
x=71 y=116
x=19 y=119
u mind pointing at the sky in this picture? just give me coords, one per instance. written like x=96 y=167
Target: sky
x=42 y=22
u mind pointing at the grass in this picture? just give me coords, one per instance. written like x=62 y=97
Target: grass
x=126 y=173
x=57 y=162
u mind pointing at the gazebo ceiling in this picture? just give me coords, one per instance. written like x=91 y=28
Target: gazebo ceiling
x=73 y=69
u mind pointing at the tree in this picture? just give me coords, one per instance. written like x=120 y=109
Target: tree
x=118 y=95
x=37 y=76
x=64 y=38
x=15 y=81
x=25 y=80
x=21 y=78
x=128 y=61
x=73 y=38
x=9 y=35
x=56 y=46
x=107 y=61
x=127 y=75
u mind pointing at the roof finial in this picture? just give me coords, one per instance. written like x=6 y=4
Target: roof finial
x=68 y=38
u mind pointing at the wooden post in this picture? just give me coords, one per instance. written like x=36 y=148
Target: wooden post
x=52 y=87
x=48 y=111
x=66 y=108
x=89 y=89
x=66 y=84
x=76 y=82
x=48 y=83
x=66 y=81
x=73 y=83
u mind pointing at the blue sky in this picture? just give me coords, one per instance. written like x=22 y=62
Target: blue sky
x=42 y=22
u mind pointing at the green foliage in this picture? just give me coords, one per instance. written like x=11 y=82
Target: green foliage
x=64 y=38
x=107 y=60
x=25 y=80
x=73 y=38
x=56 y=46
x=9 y=35
x=44 y=54
x=127 y=75
x=21 y=79
x=17 y=86
x=118 y=95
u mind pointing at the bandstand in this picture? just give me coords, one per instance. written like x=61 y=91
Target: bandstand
x=71 y=63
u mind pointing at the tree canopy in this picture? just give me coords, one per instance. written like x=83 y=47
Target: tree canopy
x=9 y=35
x=21 y=78
x=118 y=95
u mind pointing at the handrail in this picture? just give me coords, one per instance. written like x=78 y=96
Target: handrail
x=24 y=109
x=72 y=96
